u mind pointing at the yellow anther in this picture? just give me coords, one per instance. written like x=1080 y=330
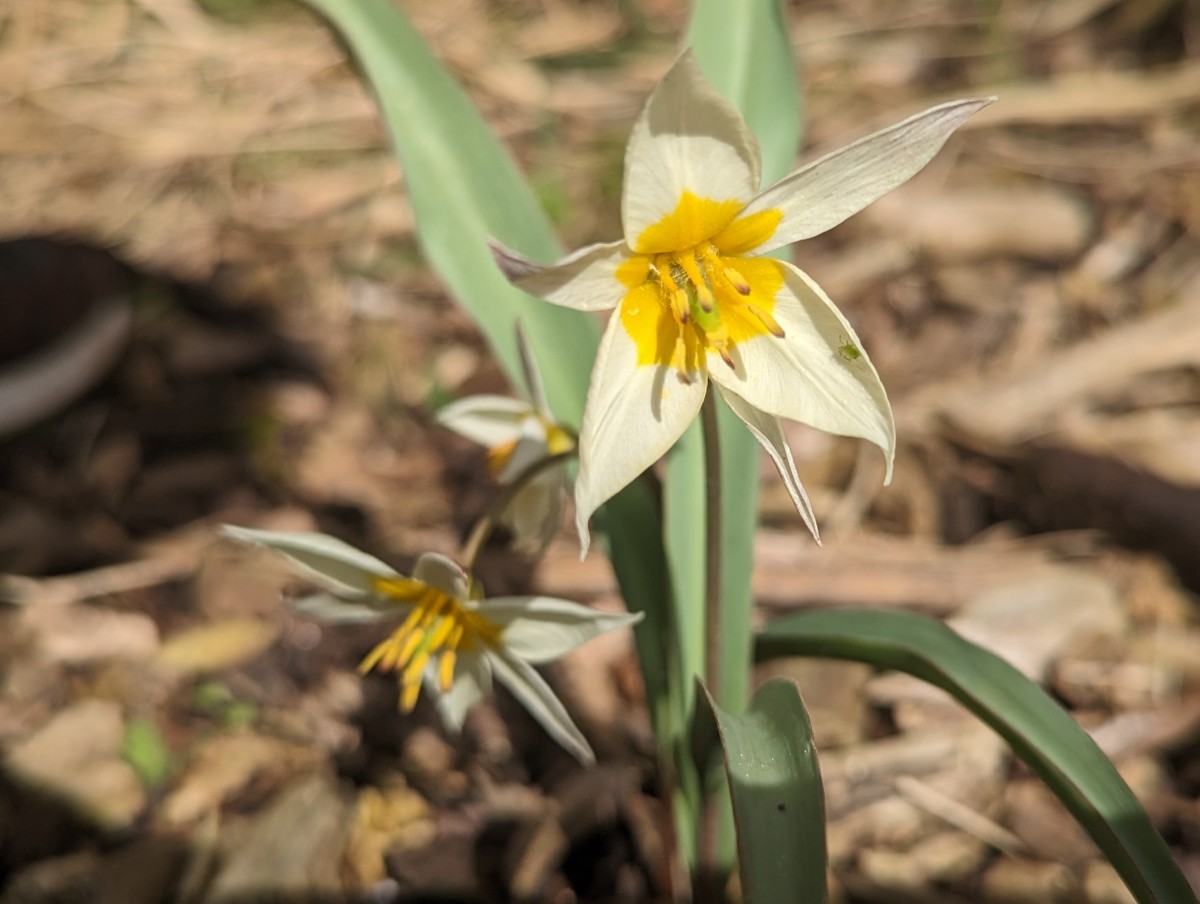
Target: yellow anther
x=736 y=280
x=446 y=670
x=767 y=320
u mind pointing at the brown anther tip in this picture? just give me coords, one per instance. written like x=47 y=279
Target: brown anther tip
x=778 y=332
x=684 y=378
x=742 y=288
x=727 y=359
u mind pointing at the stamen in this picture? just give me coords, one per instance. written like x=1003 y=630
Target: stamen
x=446 y=670
x=409 y=691
x=736 y=280
x=767 y=320
x=699 y=281
x=681 y=307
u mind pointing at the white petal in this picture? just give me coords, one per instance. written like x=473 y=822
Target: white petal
x=532 y=692
x=333 y=610
x=530 y=448
x=827 y=191
x=585 y=280
x=489 y=420
x=472 y=683
x=688 y=138
x=320 y=558
x=442 y=573
x=769 y=433
x=539 y=628
x=634 y=414
x=535 y=512
x=807 y=376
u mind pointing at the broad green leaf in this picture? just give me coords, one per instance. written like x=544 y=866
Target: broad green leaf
x=745 y=51
x=464 y=187
x=1036 y=727
x=778 y=801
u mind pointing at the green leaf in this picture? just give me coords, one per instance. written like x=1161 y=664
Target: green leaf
x=1036 y=727
x=745 y=51
x=778 y=801
x=464 y=188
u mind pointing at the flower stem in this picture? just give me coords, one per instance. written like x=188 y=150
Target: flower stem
x=487 y=522
x=708 y=878
x=712 y=544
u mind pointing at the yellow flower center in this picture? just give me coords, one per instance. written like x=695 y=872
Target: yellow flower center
x=558 y=440
x=438 y=626
x=692 y=292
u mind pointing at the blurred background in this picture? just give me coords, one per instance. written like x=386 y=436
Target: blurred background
x=212 y=308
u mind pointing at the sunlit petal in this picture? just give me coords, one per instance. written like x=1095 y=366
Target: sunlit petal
x=472 y=683
x=532 y=691
x=535 y=512
x=688 y=139
x=768 y=431
x=818 y=374
x=823 y=193
x=539 y=628
x=442 y=573
x=322 y=559
x=586 y=280
x=634 y=414
x=333 y=610
x=489 y=420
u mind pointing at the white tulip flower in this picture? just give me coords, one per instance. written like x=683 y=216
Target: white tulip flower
x=449 y=641
x=696 y=300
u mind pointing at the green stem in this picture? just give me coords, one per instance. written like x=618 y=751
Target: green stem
x=487 y=522
x=708 y=873
x=712 y=546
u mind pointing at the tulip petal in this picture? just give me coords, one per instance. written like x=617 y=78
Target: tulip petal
x=827 y=191
x=768 y=431
x=633 y=415
x=585 y=280
x=532 y=692
x=320 y=558
x=333 y=610
x=534 y=513
x=472 y=683
x=539 y=629
x=688 y=139
x=529 y=448
x=442 y=573
x=490 y=420
x=817 y=374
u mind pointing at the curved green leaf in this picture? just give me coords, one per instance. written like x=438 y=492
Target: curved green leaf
x=464 y=187
x=778 y=800
x=1036 y=727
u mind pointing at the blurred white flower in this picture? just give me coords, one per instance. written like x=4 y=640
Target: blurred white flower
x=518 y=435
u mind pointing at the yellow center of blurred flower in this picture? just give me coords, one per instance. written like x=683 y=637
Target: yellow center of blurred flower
x=500 y=455
x=691 y=291
x=438 y=627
